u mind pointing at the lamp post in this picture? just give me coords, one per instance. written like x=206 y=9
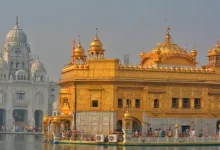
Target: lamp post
x=176 y=132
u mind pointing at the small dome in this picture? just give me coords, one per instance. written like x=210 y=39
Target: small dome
x=55 y=105
x=16 y=35
x=45 y=118
x=79 y=50
x=127 y=115
x=96 y=44
x=3 y=64
x=37 y=66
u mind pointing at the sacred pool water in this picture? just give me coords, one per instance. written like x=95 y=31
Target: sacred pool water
x=34 y=142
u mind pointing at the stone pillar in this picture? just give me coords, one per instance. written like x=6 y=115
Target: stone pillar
x=127 y=127
x=56 y=125
x=45 y=128
x=176 y=137
x=192 y=103
x=180 y=103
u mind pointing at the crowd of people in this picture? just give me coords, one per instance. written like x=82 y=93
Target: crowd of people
x=169 y=133
x=20 y=128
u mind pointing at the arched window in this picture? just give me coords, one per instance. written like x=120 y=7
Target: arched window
x=4 y=76
x=18 y=77
x=22 y=77
x=156 y=103
x=41 y=78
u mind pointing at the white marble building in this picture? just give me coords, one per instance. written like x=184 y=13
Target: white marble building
x=25 y=91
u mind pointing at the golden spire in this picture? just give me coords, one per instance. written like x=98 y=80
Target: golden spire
x=79 y=44
x=194 y=46
x=168 y=37
x=96 y=34
x=217 y=42
x=142 y=53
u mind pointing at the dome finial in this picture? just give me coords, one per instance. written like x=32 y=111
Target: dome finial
x=186 y=47
x=96 y=34
x=217 y=42
x=79 y=40
x=73 y=44
x=167 y=40
x=194 y=46
x=16 y=20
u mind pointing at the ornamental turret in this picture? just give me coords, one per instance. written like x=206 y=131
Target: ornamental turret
x=78 y=53
x=96 y=50
x=193 y=52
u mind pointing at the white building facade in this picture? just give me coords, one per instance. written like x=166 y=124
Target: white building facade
x=25 y=91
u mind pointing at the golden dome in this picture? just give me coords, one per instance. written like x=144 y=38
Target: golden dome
x=127 y=115
x=168 y=47
x=176 y=126
x=45 y=118
x=96 y=44
x=193 y=51
x=79 y=50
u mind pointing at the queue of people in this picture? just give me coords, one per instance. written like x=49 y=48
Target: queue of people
x=168 y=133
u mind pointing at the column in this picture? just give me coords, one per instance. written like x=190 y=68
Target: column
x=192 y=104
x=180 y=103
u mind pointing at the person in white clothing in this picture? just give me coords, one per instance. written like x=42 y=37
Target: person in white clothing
x=192 y=133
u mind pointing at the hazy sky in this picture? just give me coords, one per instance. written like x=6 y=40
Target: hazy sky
x=125 y=26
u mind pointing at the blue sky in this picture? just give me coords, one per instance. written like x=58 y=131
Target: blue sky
x=124 y=26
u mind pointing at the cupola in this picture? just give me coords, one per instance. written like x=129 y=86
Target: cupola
x=96 y=50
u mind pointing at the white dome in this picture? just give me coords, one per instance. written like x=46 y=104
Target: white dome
x=37 y=66
x=3 y=64
x=55 y=105
x=16 y=35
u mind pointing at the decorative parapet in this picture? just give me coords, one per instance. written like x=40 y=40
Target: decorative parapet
x=71 y=66
x=166 y=69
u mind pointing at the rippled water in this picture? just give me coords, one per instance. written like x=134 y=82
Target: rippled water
x=34 y=142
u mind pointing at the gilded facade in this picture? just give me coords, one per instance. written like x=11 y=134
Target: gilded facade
x=164 y=89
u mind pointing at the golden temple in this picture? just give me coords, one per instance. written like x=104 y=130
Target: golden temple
x=165 y=88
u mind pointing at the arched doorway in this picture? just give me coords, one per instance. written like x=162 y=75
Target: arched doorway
x=2 y=117
x=65 y=125
x=38 y=117
x=136 y=125
x=20 y=115
x=119 y=126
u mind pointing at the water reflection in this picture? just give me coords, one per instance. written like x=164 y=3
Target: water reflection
x=34 y=142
